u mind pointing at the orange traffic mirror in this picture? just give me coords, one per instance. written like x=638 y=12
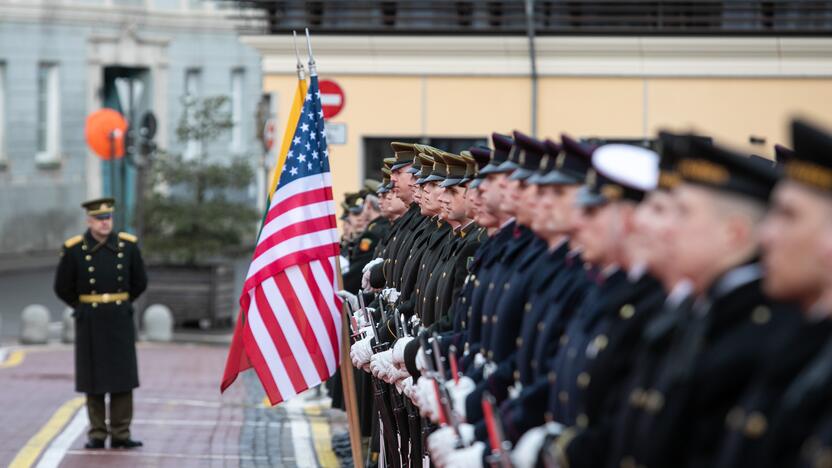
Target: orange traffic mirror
x=105 y=132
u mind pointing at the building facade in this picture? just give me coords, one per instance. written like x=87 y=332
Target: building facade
x=456 y=71
x=62 y=60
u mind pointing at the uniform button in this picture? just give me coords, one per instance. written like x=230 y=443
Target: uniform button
x=627 y=311
x=582 y=420
x=527 y=307
x=444 y=274
x=92 y=280
x=572 y=353
x=84 y=247
x=94 y=305
x=410 y=256
x=121 y=255
x=88 y=257
x=755 y=425
x=516 y=375
x=490 y=285
x=636 y=397
x=494 y=319
x=654 y=401
x=540 y=326
x=627 y=462
x=484 y=319
x=519 y=341
x=552 y=377
x=417 y=291
x=118 y=302
x=121 y=244
x=463 y=299
x=761 y=315
x=564 y=339
x=563 y=396
x=430 y=275
x=423 y=266
x=119 y=266
x=477 y=283
x=490 y=355
x=91 y=269
x=120 y=278
x=583 y=380
x=600 y=342
x=463 y=325
x=506 y=286
x=735 y=418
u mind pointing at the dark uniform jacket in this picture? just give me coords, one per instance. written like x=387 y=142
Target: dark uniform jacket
x=771 y=424
x=676 y=410
x=105 y=334
x=363 y=251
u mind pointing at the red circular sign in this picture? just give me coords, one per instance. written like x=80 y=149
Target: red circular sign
x=105 y=131
x=332 y=98
x=268 y=134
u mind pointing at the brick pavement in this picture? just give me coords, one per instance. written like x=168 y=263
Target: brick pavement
x=179 y=413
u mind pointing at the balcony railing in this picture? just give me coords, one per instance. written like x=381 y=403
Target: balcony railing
x=550 y=17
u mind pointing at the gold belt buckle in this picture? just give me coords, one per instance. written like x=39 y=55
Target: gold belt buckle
x=105 y=297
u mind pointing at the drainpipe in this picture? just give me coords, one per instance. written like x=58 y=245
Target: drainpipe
x=533 y=62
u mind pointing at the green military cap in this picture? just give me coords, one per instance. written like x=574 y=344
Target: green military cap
x=438 y=172
x=425 y=161
x=455 y=168
x=351 y=200
x=404 y=153
x=385 y=181
x=470 y=166
x=388 y=162
x=371 y=185
x=103 y=207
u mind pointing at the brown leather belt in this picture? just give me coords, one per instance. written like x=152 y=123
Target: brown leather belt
x=103 y=298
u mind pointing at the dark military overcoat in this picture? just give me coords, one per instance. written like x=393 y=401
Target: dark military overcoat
x=105 y=334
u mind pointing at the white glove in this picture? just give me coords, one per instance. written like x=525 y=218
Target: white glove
x=527 y=451
x=421 y=360
x=349 y=298
x=366 y=272
x=361 y=352
x=345 y=264
x=465 y=458
x=403 y=385
x=444 y=440
x=459 y=393
x=390 y=294
x=398 y=350
x=479 y=360
x=394 y=375
x=369 y=266
x=426 y=399
x=380 y=364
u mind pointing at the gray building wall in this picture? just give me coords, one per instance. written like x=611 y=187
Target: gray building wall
x=39 y=203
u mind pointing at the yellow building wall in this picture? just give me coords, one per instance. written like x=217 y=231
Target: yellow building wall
x=729 y=109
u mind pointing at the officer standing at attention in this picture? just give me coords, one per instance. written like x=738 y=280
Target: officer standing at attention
x=99 y=275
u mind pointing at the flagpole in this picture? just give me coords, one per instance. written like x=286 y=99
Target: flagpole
x=347 y=371
x=301 y=71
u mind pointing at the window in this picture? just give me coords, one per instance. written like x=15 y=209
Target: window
x=237 y=110
x=193 y=85
x=3 y=160
x=48 y=114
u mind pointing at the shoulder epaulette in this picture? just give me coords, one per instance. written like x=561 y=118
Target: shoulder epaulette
x=128 y=237
x=73 y=241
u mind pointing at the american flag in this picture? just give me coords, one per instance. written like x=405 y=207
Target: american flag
x=291 y=331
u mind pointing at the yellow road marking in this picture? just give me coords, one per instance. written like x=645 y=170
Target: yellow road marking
x=321 y=436
x=14 y=359
x=30 y=452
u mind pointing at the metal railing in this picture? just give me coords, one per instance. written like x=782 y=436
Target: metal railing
x=551 y=17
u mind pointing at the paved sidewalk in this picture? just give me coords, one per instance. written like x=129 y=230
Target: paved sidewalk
x=179 y=415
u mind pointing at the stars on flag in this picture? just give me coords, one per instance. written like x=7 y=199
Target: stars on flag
x=308 y=154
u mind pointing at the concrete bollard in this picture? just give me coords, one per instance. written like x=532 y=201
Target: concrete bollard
x=34 y=324
x=68 y=329
x=158 y=323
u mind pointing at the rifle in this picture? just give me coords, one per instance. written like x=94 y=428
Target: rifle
x=499 y=445
x=443 y=395
x=454 y=364
x=381 y=396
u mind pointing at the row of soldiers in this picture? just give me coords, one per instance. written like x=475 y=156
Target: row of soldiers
x=561 y=304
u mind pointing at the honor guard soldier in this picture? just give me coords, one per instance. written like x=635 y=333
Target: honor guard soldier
x=99 y=275
x=679 y=395
x=775 y=423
